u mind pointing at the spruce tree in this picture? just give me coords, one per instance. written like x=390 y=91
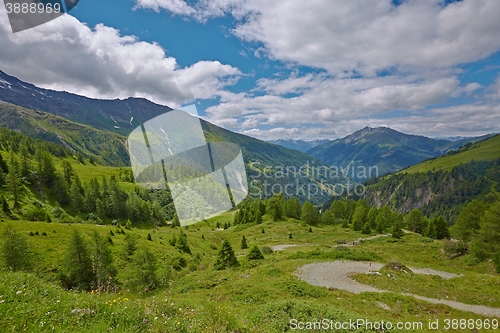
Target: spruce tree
x=142 y=273
x=15 y=250
x=77 y=200
x=442 y=231
x=327 y=218
x=397 y=229
x=359 y=216
x=486 y=244
x=225 y=257
x=366 y=228
x=254 y=253
x=77 y=264
x=244 y=244
x=14 y=181
x=430 y=231
x=310 y=214
x=181 y=243
x=275 y=208
x=103 y=267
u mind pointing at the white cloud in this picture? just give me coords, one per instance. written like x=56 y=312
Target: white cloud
x=65 y=54
x=418 y=46
x=364 y=36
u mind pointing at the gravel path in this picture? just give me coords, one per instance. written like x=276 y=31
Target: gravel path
x=337 y=274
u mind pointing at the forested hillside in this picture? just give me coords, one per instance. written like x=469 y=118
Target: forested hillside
x=452 y=181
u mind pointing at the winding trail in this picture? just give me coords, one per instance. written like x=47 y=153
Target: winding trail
x=337 y=274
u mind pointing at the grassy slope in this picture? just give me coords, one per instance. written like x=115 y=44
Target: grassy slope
x=259 y=297
x=486 y=150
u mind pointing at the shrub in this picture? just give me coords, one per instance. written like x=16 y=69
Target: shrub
x=149 y=238
x=266 y=250
x=254 y=253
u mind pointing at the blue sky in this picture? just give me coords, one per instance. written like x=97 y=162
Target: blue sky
x=280 y=69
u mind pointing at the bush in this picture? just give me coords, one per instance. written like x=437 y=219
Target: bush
x=455 y=248
x=254 y=253
x=178 y=263
x=266 y=250
x=37 y=214
x=472 y=260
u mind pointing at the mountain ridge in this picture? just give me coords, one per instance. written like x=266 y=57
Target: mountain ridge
x=384 y=148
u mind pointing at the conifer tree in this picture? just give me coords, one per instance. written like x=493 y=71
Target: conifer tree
x=225 y=257
x=275 y=208
x=467 y=223
x=15 y=250
x=359 y=215
x=430 y=231
x=142 y=274
x=442 y=231
x=103 y=267
x=181 y=243
x=77 y=200
x=397 y=229
x=130 y=246
x=366 y=228
x=254 y=253
x=77 y=264
x=244 y=244
x=327 y=218
x=310 y=214
x=14 y=181
x=486 y=244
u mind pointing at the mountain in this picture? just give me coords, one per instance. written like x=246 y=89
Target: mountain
x=377 y=151
x=299 y=145
x=443 y=185
x=84 y=125
x=117 y=116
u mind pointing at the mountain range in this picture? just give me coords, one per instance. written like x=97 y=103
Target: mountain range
x=299 y=145
x=98 y=128
x=372 y=152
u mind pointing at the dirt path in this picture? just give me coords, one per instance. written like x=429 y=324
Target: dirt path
x=337 y=274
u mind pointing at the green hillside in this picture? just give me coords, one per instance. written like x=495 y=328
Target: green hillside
x=384 y=148
x=486 y=150
x=105 y=147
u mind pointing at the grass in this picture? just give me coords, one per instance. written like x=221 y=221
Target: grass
x=487 y=150
x=257 y=297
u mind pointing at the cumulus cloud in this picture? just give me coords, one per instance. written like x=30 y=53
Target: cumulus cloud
x=374 y=57
x=65 y=54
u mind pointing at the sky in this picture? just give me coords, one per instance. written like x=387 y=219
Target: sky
x=288 y=69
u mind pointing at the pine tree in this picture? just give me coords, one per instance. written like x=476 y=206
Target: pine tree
x=397 y=229
x=338 y=209
x=25 y=160
x=467 y=223
x=254 y=253
x=293 y=209
x=15 y=250
x=60 y=189
x=366 y=228
x=258 y=217
x=442 y=231
x=310 y=214
x=275 y=208
x=14 y=181
x=77 y=200
x=142 y=273
x=130 y=246
x=77 y=264
x=244 y=244
x=359 y=215
x=430 y=231
x=327 y=218
x=416 y=221
x=181 y=243
x=225 y=257
x=103 y=268
x=486 y=244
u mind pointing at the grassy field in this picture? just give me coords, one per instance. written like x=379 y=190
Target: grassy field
x=258 y=296
x=486 y=150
